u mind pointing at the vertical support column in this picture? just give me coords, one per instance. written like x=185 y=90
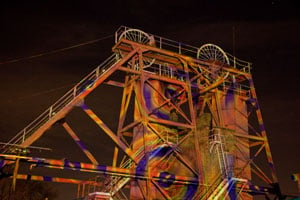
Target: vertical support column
x=83 y=190
x=139 y=188
x=116 y=151
x=195 y=131
x=126 y=97
x=233 y=110
x=144 y=124
x=16 y=169
x=217 y=98
x=78 y=191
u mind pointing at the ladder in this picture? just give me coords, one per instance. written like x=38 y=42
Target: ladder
x=217 y=144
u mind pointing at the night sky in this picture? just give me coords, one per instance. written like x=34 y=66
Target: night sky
x=266 y=34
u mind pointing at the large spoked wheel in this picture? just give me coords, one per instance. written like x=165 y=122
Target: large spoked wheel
x=211 y=52
x=136 y=35
x=216 y=57
x=139 y=36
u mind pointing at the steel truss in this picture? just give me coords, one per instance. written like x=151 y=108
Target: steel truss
x=189 y=125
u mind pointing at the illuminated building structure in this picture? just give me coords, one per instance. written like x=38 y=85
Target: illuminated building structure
x=189 y=126
x=296 y=177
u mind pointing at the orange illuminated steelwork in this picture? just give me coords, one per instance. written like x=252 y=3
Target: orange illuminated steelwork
x=189 y=125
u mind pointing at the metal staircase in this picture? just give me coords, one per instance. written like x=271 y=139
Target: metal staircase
x=219 y=190
x=218 y=145
x=225 y=188
x=212 y=187
x=117 y=182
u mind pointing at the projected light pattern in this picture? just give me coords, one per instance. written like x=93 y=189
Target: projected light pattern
x=189 y=124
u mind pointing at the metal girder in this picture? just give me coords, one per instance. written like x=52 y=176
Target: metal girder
x=102 y=169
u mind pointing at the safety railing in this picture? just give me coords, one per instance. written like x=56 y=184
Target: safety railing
x=164 y=43
x=184 y=49
x=242 y=65
x=217 y=144
x=67 y=99
x=117 y=181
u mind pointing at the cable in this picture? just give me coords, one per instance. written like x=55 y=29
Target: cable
x=57 y=50
x=41 y=93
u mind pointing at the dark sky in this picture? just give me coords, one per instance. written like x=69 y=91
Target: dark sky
x=266 y=34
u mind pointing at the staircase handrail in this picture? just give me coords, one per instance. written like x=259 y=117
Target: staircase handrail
x=226 y=185
x=127 y=165
x=62 y=102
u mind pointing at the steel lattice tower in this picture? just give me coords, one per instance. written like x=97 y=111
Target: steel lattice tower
x=189 y=125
